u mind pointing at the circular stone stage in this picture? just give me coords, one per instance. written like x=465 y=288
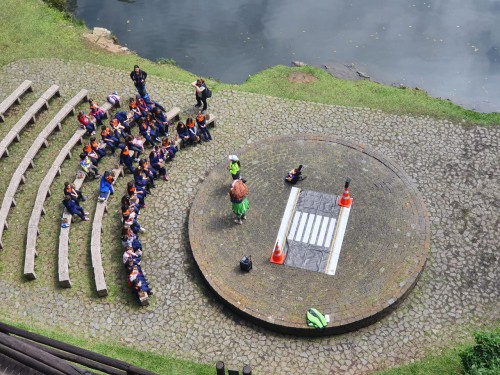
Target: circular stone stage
x=383 y=252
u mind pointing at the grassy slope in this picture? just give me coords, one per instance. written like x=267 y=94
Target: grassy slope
x=44 y=32
x=30 y=29
x=330 y=90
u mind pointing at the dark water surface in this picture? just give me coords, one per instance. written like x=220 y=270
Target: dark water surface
x=451 y=48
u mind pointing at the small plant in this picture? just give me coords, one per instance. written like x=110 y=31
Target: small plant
x=484 y=357
x=169 y=61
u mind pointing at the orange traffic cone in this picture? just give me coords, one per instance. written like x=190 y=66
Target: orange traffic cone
x=278 y=256
x=345 y=200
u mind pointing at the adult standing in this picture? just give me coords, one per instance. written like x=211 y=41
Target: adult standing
x=200 y=91
x=239 y=202
x=139 y=76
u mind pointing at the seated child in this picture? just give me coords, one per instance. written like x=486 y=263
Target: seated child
x=109 y=138
x=126 y=159
x=96 y=111
x=157 y=163
x=202 y=125
x=161 y=122
x=294 y=175
x=86 y=122
x=194 y=134
x=74 y=208
x=88 y=167
x=106 y=186
x=98 y=147
x=71 y=191
x=133 y=106
x=168 y=149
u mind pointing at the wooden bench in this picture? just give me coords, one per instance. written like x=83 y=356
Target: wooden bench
x=173 y=114
x=210 y=122
x=95 y=243
x=106 y=107
x=15 y=97
x=38 y=209
x=41 y=140
x=63 y=252
x=28 y=117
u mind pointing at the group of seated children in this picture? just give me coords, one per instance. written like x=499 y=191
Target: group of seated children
x=152 y=125
x=132 y=203
x=153 y=130
x=189 y=132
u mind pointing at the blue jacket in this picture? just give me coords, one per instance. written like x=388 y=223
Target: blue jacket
x=105 y=186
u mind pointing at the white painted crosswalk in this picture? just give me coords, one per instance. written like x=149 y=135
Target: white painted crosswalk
x=312 y=229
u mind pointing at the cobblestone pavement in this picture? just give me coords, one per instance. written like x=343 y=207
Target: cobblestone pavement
x=456 y=168
x=383 y=252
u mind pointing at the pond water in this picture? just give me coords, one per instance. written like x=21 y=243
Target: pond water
x=450 y=48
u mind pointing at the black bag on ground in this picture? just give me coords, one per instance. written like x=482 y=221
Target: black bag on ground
x=246 y=263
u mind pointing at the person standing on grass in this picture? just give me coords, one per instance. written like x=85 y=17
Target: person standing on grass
x=139 y=76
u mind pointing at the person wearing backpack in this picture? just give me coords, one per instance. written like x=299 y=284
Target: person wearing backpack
x=239 y=202
x=201 y=92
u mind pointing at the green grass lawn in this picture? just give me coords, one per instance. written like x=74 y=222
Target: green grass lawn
x=447 y=363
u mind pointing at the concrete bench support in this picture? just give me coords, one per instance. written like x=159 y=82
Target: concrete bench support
x=15 y=97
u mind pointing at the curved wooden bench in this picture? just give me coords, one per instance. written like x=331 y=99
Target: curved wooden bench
x=95 y=244
x=63 y=252
x=38 y=210
x=27 y=161
x=15 y=97
x=28 y=117
x=106 y=107
x=173 y=114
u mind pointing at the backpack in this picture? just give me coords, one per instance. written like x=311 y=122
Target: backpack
x=239 y=191
x=246 y=263
x=208 y=92
x=113 y=98
x=316 y=319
